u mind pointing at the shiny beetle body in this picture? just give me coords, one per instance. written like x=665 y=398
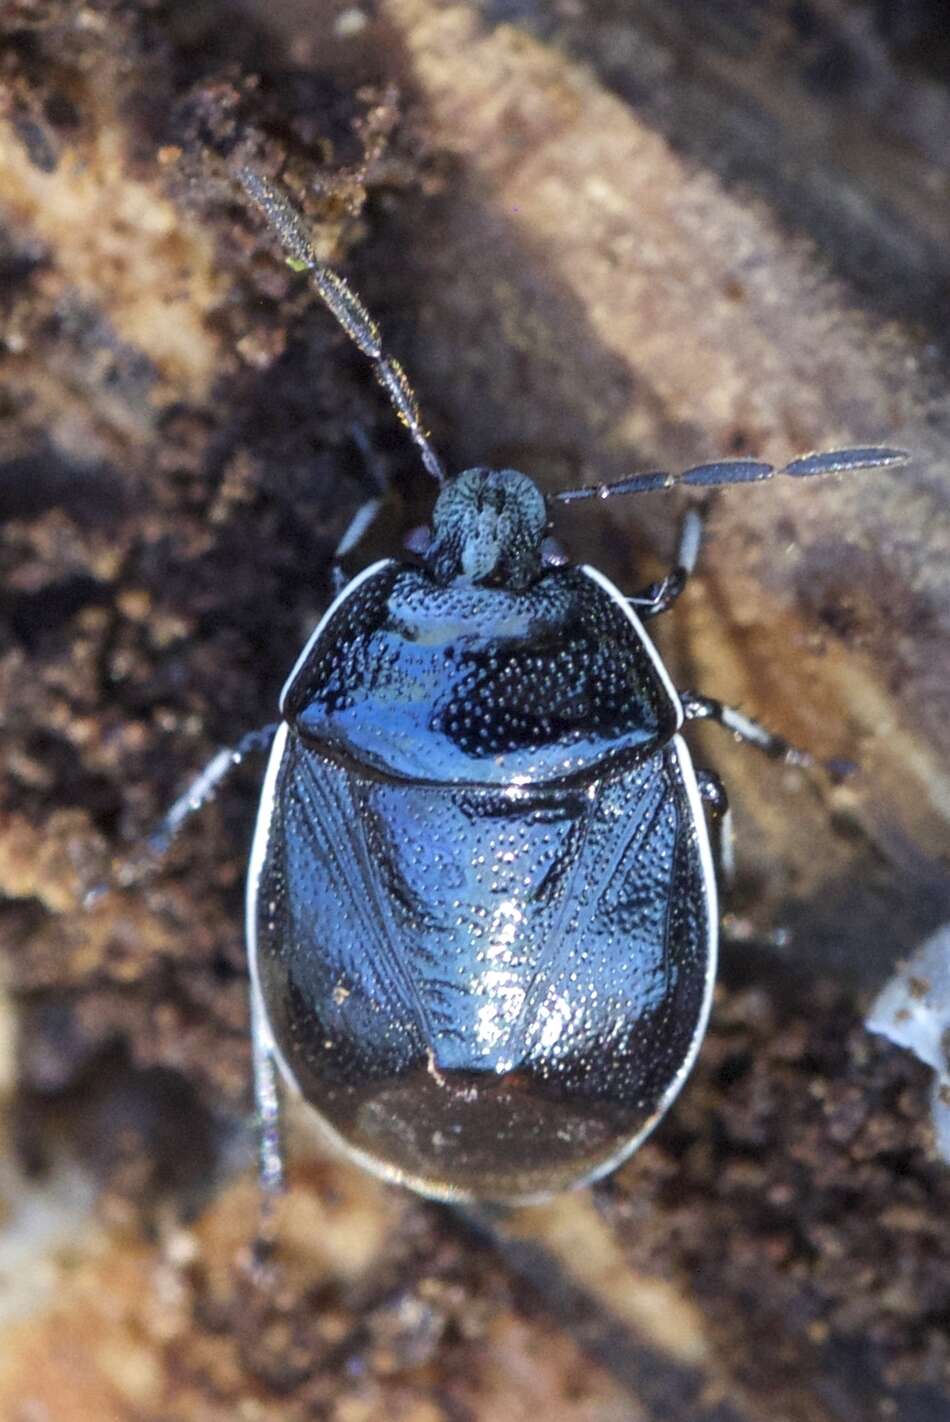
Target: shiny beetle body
x=481 y=906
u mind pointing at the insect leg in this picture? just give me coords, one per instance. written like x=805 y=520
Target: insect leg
x=365 y=514
x=704 y=708
x=355 y=529
x=205 y=785
x=137 y=866
x=713 y=793
x=658 y=597
x=267 y=1115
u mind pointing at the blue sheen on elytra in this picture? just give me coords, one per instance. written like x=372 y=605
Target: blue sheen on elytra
x=483 y=924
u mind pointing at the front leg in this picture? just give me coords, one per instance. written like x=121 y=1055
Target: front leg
x=658 y=597
x=355 y=529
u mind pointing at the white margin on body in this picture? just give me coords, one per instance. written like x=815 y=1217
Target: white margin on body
x=688 y=775
x=265 y=813
x=337 y=602
x=617 y=597
x=691 y=788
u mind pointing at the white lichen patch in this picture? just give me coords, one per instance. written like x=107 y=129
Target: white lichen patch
x=913 y=1011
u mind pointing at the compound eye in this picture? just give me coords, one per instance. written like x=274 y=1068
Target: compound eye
x=418 y=539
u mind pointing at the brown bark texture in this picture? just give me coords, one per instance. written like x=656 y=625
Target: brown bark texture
x=601 y=235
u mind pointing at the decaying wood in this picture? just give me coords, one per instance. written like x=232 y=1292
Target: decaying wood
x=601 y=236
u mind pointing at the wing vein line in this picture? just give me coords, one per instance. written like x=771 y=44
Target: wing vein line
x=382 y=922
x=557 y=934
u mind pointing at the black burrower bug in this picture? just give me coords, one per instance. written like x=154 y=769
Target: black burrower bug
x=481 y=904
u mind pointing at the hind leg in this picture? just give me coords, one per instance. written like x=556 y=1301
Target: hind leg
x=714 y=796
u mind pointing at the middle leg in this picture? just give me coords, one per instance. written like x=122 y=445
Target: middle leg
x=141 y=863
x=705 y=708
x=204 y=786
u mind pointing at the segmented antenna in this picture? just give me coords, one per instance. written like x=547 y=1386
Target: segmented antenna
x=345 y=306
x=739 y=471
